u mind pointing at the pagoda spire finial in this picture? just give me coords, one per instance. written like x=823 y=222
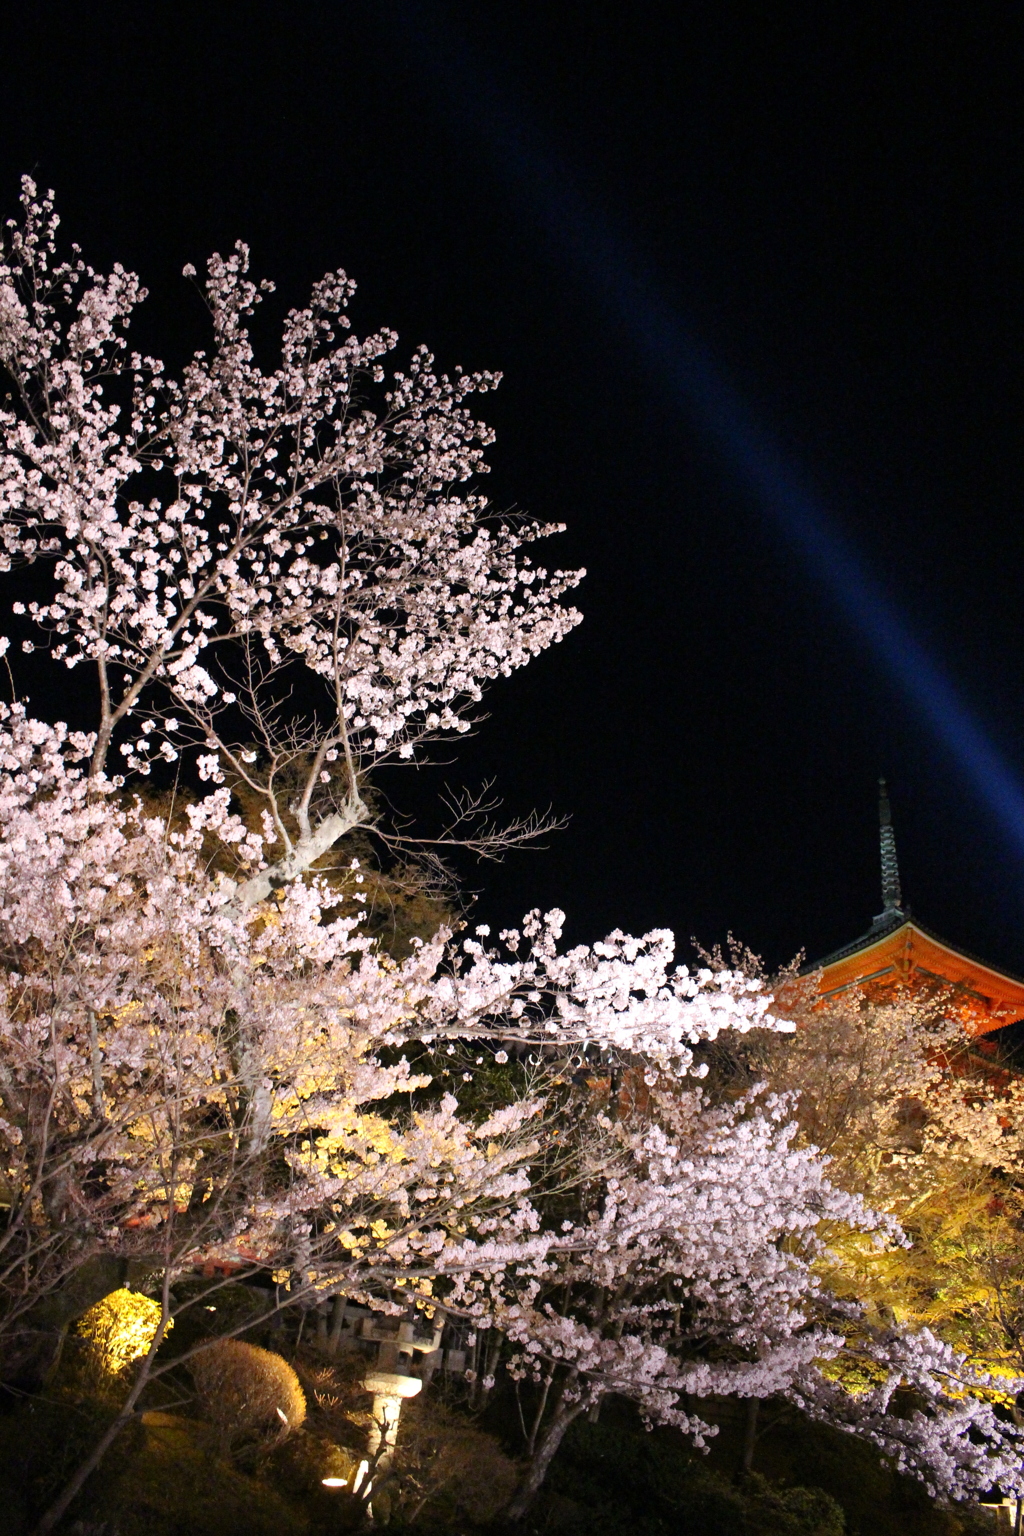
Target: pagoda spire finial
x=892 y=900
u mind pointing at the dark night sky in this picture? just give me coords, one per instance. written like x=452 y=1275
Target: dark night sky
x=830 y=198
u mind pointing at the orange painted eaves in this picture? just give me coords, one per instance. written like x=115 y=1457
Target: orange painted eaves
x=909 y=957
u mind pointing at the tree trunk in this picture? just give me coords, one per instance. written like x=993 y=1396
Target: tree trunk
x=299 y=858
x=540 y=1461
x=486 y=1364
x=337 y=1324
x=750 y=1434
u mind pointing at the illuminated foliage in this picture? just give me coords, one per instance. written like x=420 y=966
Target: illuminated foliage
x=115 y=1333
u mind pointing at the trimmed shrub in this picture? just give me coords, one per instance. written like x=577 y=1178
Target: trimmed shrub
x=110 y=1337
x=446 y=1470
x=791 y=1511
x=246 y=1392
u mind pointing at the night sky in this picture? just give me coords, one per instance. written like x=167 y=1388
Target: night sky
x=755 y=278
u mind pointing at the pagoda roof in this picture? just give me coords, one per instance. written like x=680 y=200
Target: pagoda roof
x=897 y=950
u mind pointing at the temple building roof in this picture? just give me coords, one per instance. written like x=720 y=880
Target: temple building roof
x=899 y=951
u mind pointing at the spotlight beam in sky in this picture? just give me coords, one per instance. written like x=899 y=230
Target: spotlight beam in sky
x=617 y=277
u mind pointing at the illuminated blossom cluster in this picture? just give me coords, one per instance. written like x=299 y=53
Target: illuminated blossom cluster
x=222 y=538
x=693 y=1276
x=947 y=1431
x=165 y=1055
x=624 y=994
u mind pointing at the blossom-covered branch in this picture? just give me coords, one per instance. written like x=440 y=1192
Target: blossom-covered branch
x=226 y=537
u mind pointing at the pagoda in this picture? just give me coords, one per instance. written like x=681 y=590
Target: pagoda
x=898 y=951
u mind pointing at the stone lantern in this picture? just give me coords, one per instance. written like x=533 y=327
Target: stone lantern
x=391 y=1381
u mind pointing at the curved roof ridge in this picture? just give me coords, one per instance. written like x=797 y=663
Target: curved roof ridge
x=887 y=929
x=881 y=928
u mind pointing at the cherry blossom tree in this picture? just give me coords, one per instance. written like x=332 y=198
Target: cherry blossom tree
x=922 y=1125
x=693 y=1274
x=924 y=1128
x=184 y=1082
x=890 y=1086
x=212 y=538
x=232 y=541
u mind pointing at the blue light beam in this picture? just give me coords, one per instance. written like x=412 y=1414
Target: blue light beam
x=618 y=279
